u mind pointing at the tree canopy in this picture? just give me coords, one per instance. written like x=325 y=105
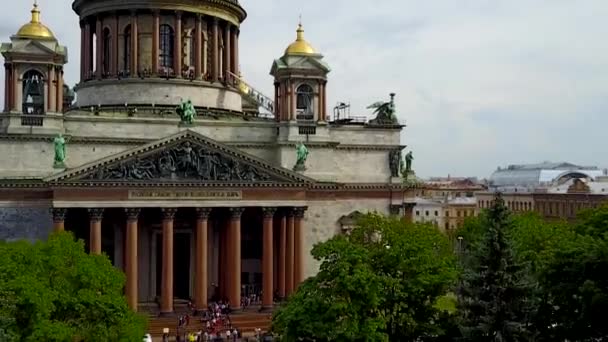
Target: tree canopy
x=380 y=283
x=55 y=291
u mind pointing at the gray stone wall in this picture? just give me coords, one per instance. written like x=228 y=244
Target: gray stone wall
x=25 y=224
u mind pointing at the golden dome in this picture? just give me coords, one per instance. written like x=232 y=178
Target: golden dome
x=35 y=29
x=300 y=46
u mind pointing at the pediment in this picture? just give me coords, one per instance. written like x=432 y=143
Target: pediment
x=32 y=47
x=300 y=62
x=186 y=157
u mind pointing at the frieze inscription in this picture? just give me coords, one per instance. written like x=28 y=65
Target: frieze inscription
x=185 y=195
x=182 y=162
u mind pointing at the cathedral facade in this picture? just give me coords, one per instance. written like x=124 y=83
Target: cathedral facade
x=165 y=159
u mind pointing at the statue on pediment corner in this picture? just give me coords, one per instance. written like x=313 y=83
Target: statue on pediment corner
x=385 y=112
x=60 y=152
x=301 y=156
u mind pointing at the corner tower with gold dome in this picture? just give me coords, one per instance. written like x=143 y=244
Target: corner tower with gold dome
x=33 y=83
x=168 y=51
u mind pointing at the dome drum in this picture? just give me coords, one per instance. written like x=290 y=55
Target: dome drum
x=158 y=48
x=228 y=10
x=157 y=92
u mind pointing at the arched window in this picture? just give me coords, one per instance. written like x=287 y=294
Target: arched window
x=107 y=45
x=126 y=56
x=304 y=101
x=167 y=38
x=33 y=93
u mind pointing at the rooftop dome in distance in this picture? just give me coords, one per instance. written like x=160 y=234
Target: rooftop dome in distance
x=300 y=46
x=35 y=29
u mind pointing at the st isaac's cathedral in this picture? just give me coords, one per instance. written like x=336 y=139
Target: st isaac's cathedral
x=166 y=160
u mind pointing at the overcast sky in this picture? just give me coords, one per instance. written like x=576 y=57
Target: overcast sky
x=479 y=83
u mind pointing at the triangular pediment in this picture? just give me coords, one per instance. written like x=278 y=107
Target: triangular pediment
x=312 y=62
x=33 y=47
x=187 y=158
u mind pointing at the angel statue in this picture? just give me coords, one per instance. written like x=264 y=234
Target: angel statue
x=385 y=112
x=301 y=156
x=186 y=112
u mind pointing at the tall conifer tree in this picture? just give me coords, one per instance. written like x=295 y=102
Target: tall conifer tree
x=493 y=301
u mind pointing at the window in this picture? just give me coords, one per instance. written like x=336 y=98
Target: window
x=126 y=57
x=447 y=214
x=426 y=213
x=304 y=101
x=192 y=50
x=33 y=93
x=167 y=38
x=107 y=45
x=436 y=213
x=417 y=213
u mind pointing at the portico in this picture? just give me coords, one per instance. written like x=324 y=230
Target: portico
x=187 y=217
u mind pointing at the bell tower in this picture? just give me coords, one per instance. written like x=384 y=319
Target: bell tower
x=300 y=78
x=33 y=64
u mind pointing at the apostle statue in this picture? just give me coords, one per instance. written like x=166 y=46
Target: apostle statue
x=301 y=156
x=59 y=144
x=385 y=112
x=186 y=112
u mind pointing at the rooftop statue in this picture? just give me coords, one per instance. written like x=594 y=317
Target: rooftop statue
x=409 y=157
x=385 y=112
x=186 y=112
x=301 y=156
x=59 y=143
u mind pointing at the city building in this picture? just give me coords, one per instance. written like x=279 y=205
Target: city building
x=446 y=202
x=215 y=205
x=555 y=190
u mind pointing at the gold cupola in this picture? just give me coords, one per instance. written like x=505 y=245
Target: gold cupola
x=35 y=29
x=300 y=46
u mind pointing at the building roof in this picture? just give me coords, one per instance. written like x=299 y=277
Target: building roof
x=542 y=174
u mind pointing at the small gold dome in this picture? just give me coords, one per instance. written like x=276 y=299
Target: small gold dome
x=300 y=46
x=35 y=29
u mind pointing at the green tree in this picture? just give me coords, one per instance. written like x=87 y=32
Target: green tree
x=60 y=293
x=494 y=302
x=380 y=283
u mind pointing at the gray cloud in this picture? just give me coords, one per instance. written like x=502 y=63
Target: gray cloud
x=480 y=83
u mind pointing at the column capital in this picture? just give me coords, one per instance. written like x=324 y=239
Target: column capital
x=168 y=213
x=156 y=12
x=236 y=212
x=269 y=212
x=133 y=13
x=203 y=213
x=215 y=20
x=96 y=214
x=298 y=212
x=59 y=214
x=178 y=14
x=132 y=213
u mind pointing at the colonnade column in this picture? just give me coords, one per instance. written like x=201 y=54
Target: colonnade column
x=155 y=43
x=234 y=284
x=276 y=100
x=298 y=275
x=178 y=44
x=267 y=259
x=200 y=291
x=59 y=76
x=289 y=255
x=134 y=45
x=198 y=40
x=324 y=101
x=59 y=215
x=215 y=52
x=166 y=303
x=82 y=51
x=87 y=50
x=131 y=266
x=17 y=88
x=6 y=86
x=115 y=63
x=282 y=255
x=99 y=48
x=227 y=47
x=52 y=84
x=95 y=217
x=234 y=62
